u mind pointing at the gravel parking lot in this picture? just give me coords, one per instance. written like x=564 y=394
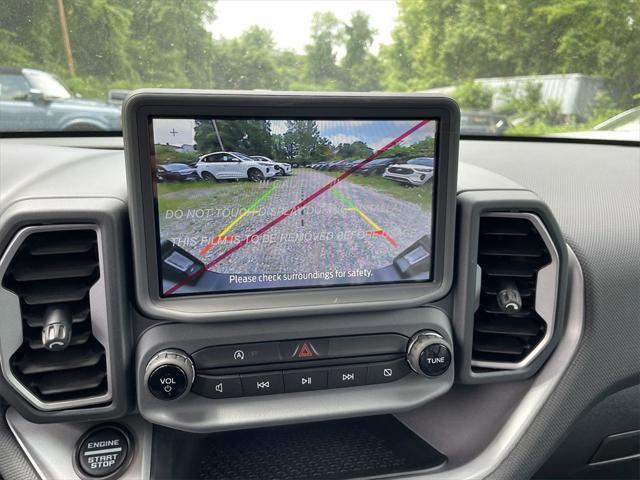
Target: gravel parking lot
x=348 y=227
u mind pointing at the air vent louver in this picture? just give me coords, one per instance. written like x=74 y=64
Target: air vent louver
x=57 y=267
x=511 y=251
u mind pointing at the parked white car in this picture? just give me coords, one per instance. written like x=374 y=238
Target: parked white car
x=417 y=171
x=228 y=165
x=281 y=168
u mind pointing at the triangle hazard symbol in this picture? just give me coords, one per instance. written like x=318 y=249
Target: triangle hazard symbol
x=305 y=351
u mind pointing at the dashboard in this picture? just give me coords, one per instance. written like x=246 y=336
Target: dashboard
x=533 y=327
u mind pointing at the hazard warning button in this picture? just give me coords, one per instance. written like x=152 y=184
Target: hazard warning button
x=304 y=349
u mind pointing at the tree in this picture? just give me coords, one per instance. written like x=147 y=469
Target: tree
x=89 y=20
x=443 y=42
x=423 y=148
x=473 y=96
x=356 y=149
x=605 y=41
x=302 y=143
x=247 y=62
x=321 y=70
x=251 y=137
x=169 y=44
x=31 y=34
x=360 y=68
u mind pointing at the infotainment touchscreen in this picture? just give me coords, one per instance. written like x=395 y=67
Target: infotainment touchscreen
x=261 y=204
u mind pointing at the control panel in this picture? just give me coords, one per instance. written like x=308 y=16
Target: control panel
x=208 y=377
x=290 y=366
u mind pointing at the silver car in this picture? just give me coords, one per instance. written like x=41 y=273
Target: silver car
x=36 y=100
x=417 y=171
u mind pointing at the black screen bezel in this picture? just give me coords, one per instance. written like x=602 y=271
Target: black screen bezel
x=142 y=105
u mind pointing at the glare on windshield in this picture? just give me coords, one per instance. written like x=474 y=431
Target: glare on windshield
x=551 y=68
x=48 y=85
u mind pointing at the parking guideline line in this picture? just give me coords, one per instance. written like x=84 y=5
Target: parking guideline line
x=351 y=207
x=344 y=199
x=373 y=224
x=295 y=208
x=234 y=222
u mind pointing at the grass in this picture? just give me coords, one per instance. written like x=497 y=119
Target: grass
x=166 y=154
x=199 y=194
x=421 y=196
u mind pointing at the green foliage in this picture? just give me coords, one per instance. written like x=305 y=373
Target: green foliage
x=166 y=154
x=442 y=42
x=528 y=107
x=158 y=43
x=423 y=148
x=320 y=64
x=353 y=150
x=421 y=195
x=302 y=143
x=471 y=95
x=11 y=53
x=251 y=137
x=248 y=61
x=361 y=70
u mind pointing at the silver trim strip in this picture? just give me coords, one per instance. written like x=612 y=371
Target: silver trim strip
x=24 y=448
x=546 y=294
x=11 y=325
x=525 y=412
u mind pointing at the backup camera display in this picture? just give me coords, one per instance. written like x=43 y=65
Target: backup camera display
x=258 y=204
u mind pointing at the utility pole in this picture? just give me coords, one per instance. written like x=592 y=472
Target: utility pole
x=65 y=37
x=215 y=127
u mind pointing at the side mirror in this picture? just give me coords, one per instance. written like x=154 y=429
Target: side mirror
x=36 y=96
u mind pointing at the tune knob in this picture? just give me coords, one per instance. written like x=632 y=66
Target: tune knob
x=429 y=354
x=169 y=374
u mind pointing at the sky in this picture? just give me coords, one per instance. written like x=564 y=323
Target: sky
x=290 y=20
x=375 y=134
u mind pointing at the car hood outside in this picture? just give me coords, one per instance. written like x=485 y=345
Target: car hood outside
x=88 y=105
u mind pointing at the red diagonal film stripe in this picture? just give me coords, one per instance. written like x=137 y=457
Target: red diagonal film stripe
x=296 y=207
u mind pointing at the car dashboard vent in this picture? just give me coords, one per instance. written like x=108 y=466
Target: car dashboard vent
x=515 y=254
x=56 y=269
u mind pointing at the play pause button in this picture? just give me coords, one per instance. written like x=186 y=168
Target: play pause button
x=304 y=380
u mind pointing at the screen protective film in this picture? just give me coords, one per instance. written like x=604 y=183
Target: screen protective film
x=259 y=204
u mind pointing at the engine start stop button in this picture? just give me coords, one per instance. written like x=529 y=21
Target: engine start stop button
x=103 y=451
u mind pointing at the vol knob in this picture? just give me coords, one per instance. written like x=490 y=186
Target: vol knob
x=169 y=374
x=429 y=354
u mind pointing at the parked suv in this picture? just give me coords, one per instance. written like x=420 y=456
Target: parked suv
x=417 y=171
x=281 y=168
x=227 y=165
x=376 y=166
x=36 y=100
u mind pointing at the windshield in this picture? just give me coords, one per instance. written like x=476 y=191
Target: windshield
x=427 y=162
x=245 y=158
x=176 y=167
x=48 y=85
x=515 y=67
